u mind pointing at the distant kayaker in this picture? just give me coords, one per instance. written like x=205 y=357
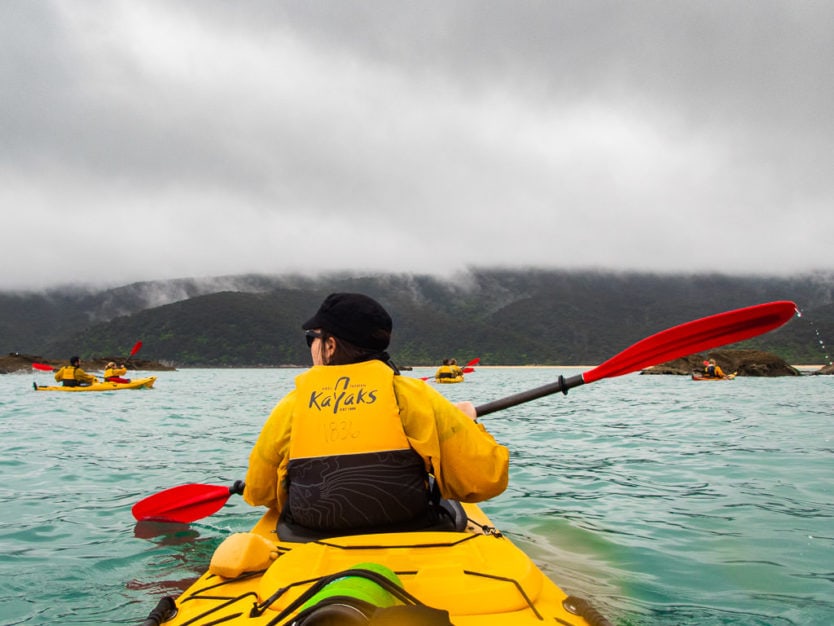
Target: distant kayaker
x=449 y=370
x=73 y=376
x=444 y=371
x=353 y=446
x=712 y=370
x=113 y=374
x=456 y=371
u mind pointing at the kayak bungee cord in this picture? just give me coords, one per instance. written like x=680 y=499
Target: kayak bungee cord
x=166 y=608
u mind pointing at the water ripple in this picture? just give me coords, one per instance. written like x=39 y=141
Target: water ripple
x=661 y=500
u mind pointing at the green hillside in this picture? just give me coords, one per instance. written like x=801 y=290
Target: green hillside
x=503 y=317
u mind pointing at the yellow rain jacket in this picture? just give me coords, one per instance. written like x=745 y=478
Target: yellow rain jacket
x=114 y=372
x=447 y=371
x=467 y=463
x=71 y=376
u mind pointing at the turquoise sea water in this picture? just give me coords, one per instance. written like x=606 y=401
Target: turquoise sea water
x=659 y=499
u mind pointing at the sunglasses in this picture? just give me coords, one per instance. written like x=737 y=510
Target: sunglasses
x=311 y=336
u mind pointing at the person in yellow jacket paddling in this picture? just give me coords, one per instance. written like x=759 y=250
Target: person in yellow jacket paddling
x=444 y=371
x=114 y=373
x=456 y=370
x=713 y=370
x=449 y=371
x=73 y=376
x=356 y=447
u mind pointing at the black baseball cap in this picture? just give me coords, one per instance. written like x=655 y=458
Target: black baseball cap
x=354 y=317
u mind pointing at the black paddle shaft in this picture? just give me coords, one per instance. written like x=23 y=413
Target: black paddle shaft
x=562 y=384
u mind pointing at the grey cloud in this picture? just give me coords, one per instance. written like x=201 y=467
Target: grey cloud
x=317 y=136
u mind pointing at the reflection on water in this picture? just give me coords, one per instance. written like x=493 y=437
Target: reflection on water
x=165 y=533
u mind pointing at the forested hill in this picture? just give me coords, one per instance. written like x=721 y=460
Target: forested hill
x=503 y=317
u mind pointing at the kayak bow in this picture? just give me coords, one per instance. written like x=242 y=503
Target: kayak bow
x=477 y=575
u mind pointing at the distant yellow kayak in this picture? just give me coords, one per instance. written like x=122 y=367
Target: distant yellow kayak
x=700 y=377
x=446 y=381
x=138 y=383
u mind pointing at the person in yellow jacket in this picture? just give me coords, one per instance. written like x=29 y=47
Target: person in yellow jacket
x=713 y=370
x=73 y=376
x=444 y=371
x=113 y=373
x=448 y=372
x=456 y=370
x=356 y=447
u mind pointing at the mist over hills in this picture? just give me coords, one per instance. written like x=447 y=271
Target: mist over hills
x=503 y=317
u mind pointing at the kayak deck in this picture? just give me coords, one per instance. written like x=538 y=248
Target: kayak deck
x=138 y=383
x=479 y=576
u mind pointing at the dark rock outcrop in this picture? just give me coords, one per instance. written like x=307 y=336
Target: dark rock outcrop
x=743 y=362
x=15 y=362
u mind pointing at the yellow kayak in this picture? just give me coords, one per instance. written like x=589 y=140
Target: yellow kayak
x=138 y=383
x=701 y=377
x=472 y=577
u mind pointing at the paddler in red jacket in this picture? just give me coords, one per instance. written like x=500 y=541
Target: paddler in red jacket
x=356 y=447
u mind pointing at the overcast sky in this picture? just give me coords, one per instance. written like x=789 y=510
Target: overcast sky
x=169 y=139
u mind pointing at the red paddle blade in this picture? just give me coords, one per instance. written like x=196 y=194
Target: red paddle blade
x=136 y=347
x=183 y=504
x=472 y=363
x=702 y=334
x=42 y=367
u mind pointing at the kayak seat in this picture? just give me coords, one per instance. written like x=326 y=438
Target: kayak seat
x=446 y=515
